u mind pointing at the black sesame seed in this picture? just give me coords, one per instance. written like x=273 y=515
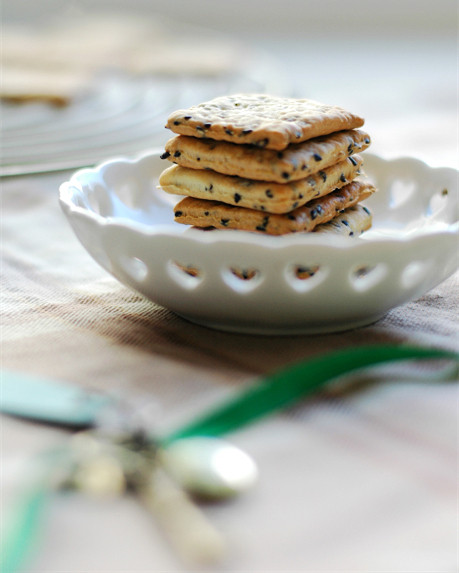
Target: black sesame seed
x=313 y=213
x=198 y=159
x=319 y=209
x=280 y=155
x=351 y=234
x=367 y=140
x=323 y=175
x=237 y=197
x=178 y=213
x=177 y=154
x=269 y=193
x=228 y=132
x=367 y=211
x=206 y=213
x=246 y=131
x=187 y=117
x=291 y=217
x=263 y=225
x=295 y=205
x=207 y=125
x=342 y=178
x=224 y=222
x=165 y=155
x=211 y=187
x=176 y=122
x=345 y=222
x=352 y=160
x=350 y=148
x=200 y=129
x=285 y=175
x=317 y=157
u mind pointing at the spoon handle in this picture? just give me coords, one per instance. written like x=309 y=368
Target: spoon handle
x=188 y=530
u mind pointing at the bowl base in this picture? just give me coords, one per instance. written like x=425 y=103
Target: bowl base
x=283 y=330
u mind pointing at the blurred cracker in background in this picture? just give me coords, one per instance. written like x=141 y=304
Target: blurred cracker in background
x=56 y=62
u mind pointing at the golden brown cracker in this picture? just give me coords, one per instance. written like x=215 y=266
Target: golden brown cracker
x=263 y=120
x=202 y=213
x=296 y=162
x=259 y=195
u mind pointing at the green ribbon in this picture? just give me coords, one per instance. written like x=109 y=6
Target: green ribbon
x=21 y=538
x=276 y=391
x=290 y=384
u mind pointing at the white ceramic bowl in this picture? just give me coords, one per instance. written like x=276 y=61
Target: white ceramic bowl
x=126 y=223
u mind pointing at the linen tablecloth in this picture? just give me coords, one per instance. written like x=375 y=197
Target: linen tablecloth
x=362 y=478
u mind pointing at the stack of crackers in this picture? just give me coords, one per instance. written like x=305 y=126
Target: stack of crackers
x=268 y=164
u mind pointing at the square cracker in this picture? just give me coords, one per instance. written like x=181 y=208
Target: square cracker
x=203 y=213
x=296 y=162
x=259 y=119
x=260 y=195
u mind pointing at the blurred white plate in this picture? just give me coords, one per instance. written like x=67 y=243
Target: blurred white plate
x=118 y=116
x=127 y=225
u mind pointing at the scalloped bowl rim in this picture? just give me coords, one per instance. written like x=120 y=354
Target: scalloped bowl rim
x=201 y=302
x=236 y=235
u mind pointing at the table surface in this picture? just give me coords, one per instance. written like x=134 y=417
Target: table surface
x=359 y=479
